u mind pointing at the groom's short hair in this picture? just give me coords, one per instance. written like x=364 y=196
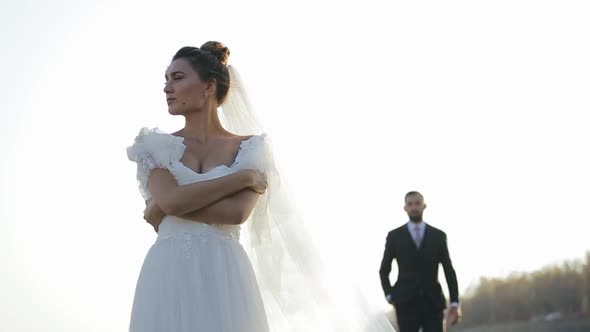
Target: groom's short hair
x=413 y=193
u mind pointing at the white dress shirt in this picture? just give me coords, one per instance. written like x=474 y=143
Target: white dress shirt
x=421 y=228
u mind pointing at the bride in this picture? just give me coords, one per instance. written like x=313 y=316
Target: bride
x=200 y=184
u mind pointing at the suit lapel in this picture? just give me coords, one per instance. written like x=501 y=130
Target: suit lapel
x=426 y=237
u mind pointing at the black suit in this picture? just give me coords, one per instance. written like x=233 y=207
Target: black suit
x=417 y=294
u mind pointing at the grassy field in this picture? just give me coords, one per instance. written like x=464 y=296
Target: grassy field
x=564 y=325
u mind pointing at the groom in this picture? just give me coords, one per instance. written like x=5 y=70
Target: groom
x=418 y=249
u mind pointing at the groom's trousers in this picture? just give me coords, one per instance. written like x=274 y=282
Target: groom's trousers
x=419 y=312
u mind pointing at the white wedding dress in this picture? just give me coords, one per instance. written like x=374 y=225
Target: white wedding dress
x=196 y=277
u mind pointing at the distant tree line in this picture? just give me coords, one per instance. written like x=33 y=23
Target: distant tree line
x=563 y=288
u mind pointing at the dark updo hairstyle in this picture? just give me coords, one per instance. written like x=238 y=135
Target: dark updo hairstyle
x=210 y=62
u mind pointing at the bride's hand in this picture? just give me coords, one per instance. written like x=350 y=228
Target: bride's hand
x=152 y=214
x=258 y=181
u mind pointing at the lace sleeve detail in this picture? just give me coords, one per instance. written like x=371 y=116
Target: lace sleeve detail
x=255 y=153
x=144 y=167
x=153 y=149
x=148 y=163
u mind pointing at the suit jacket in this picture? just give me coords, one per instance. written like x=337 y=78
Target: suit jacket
x=418 y=267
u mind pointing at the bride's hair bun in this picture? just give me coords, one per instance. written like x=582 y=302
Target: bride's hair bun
x=220 y=51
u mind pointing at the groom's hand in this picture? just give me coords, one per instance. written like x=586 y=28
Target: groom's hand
x=152 y=214
x=454 y=315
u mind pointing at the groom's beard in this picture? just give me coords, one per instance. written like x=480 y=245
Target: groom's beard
x=415 y=217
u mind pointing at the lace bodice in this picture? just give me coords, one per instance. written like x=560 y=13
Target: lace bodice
x=154 y=148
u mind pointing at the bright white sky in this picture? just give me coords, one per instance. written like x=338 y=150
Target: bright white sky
x=479 y=105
